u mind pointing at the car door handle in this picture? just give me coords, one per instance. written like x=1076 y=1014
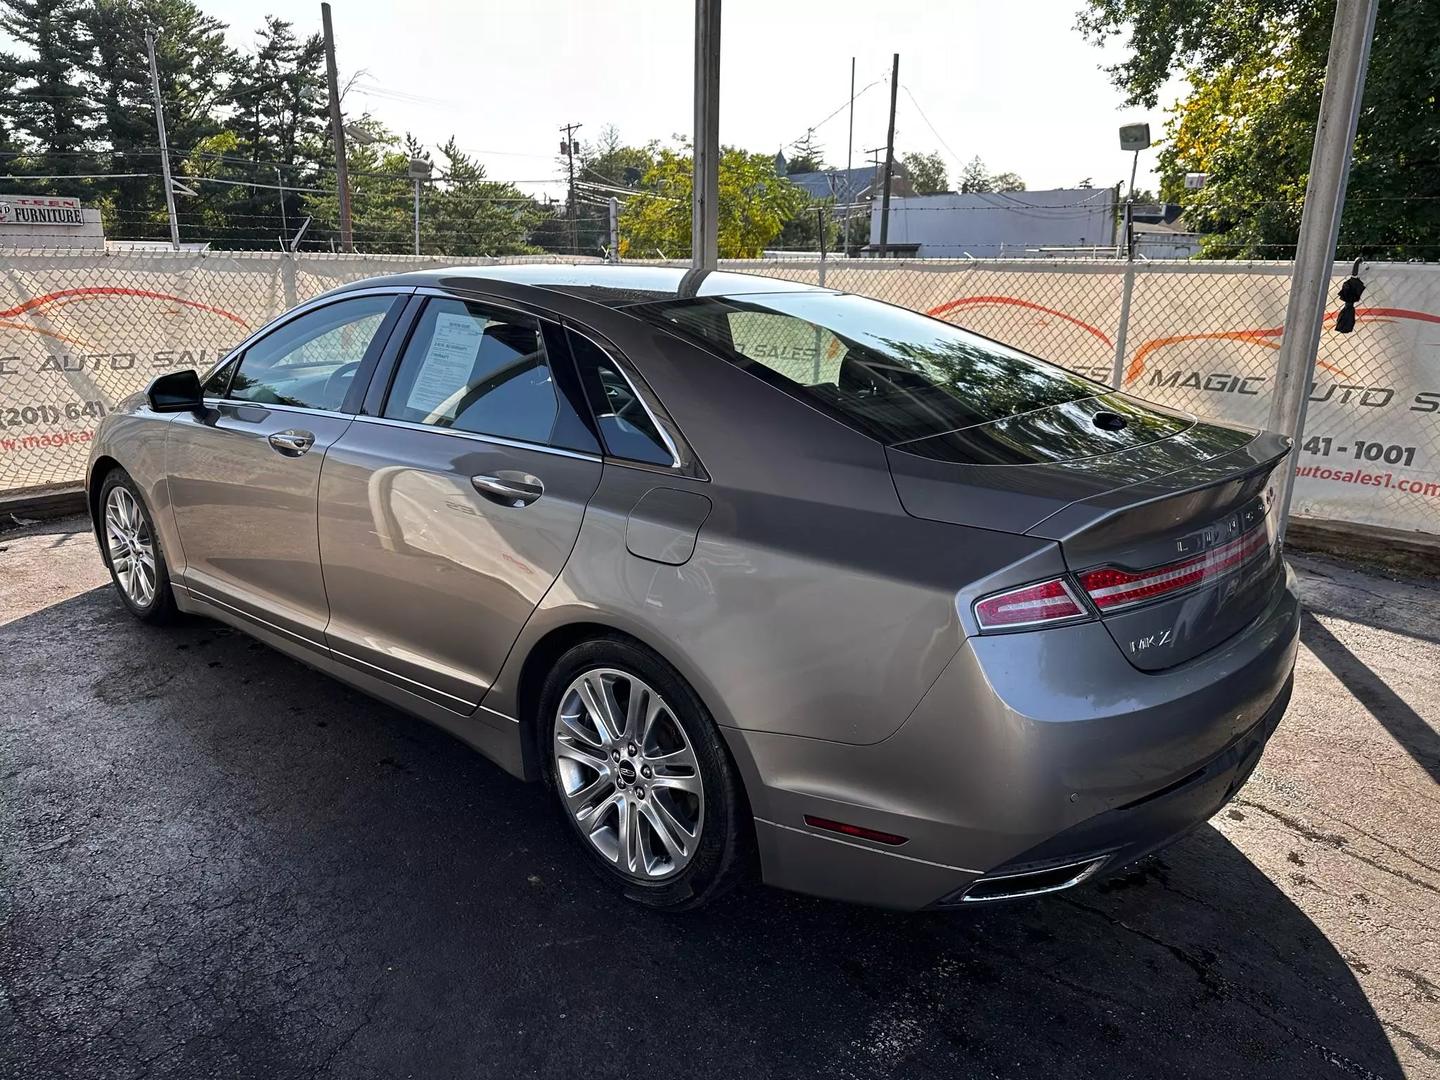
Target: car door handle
x=512 y=489
x=293 y=442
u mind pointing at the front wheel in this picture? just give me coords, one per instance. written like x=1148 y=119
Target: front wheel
x=643 y=776
x=132 y=551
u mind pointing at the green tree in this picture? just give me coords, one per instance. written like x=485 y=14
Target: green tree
x=193 y=62
x=1255 y=70
x=806 y=155
x=754 y=206
x=601 y=167
x=280 y=105
x=926 y=172
x=466 y=214
x=461 y=212
x=975 y=177
x=49 y=115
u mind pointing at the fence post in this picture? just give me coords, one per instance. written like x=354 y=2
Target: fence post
x=820 y=220
x=1117 y=370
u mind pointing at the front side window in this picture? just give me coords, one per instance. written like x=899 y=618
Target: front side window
x=626 y=426
x=479 y=369
x=891 y=373
x=311 y=361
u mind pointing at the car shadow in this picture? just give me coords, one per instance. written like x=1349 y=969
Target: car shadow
x=221 y=862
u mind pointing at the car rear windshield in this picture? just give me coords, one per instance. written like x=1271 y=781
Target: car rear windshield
x=892 y=373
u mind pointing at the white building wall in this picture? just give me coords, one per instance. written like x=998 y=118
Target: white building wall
x=996 y=224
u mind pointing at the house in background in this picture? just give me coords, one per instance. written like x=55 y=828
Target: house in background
x=1160 y=232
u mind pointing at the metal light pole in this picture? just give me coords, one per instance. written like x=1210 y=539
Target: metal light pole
x=164 y=143
x=418 y=170
x=705 y=187
x=1320 y=225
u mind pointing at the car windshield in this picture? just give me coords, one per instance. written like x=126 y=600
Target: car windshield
x=892 y=373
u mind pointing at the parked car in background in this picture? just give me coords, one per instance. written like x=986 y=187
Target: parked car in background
x=752 y=574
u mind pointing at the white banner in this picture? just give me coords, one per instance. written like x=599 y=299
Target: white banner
x=78 y=332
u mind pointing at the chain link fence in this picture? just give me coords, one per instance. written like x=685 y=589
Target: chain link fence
x=1203 y=336
x=80 y=331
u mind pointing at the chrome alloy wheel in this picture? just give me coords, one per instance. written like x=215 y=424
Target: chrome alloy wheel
x=628 y=774
x=131 y=548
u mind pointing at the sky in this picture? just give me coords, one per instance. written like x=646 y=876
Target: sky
x=1009 y=80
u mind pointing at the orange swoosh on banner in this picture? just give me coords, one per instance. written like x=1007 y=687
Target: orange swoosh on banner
x=48 y=333
x=1257 y=337
x=34 y=305
x=1015 y=301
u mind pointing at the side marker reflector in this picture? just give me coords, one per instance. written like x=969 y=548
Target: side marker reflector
x=860 y=831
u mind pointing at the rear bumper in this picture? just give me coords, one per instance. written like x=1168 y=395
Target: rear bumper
x=1030 y=751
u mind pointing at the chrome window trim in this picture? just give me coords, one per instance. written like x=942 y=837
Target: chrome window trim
x=241 y=403
x=670 y=445
x=486 y=299
x=301 y=309
x=496 y=440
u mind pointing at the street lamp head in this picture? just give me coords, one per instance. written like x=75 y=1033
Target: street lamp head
x=1135 y=137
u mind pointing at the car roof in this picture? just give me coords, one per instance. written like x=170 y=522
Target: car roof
x=601 y=283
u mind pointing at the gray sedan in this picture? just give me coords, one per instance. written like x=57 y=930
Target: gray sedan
x=757 y=577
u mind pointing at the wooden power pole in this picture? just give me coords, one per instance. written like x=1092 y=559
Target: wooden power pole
x=337 y=133
x=889 y=160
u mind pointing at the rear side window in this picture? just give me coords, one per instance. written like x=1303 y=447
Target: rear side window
x=625 y=424
x=891 y=373
x=471 y=367
x=311 y=360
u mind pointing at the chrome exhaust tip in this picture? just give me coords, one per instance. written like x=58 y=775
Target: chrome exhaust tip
x=1027 y=882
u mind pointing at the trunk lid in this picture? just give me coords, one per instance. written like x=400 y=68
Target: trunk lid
x=1125 y=486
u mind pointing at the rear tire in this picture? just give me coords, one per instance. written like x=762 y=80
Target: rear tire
x=642 y=776
x=132 y=550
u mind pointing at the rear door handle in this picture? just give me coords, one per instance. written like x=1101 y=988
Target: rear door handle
x=293 y=442
x=514 y=489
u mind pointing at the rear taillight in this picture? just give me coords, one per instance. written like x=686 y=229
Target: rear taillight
x=1040 y=604
x=1111 y=588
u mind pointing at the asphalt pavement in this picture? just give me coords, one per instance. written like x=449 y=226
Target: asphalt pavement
x=215 y=862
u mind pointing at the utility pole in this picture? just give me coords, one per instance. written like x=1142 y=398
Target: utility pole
x=337 y=133
x=164 y=143
x=705 y=199
x=1320 y=226
x=614 y=229
x=889 y=159
x=568 y=147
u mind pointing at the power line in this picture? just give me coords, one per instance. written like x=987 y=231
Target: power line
x=953 y=154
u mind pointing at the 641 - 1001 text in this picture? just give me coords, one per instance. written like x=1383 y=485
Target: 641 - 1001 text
x=1390 y=453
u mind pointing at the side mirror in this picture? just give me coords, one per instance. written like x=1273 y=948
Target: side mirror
x=179 y=391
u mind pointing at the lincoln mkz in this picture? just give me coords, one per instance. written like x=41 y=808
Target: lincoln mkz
x=755 y=576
